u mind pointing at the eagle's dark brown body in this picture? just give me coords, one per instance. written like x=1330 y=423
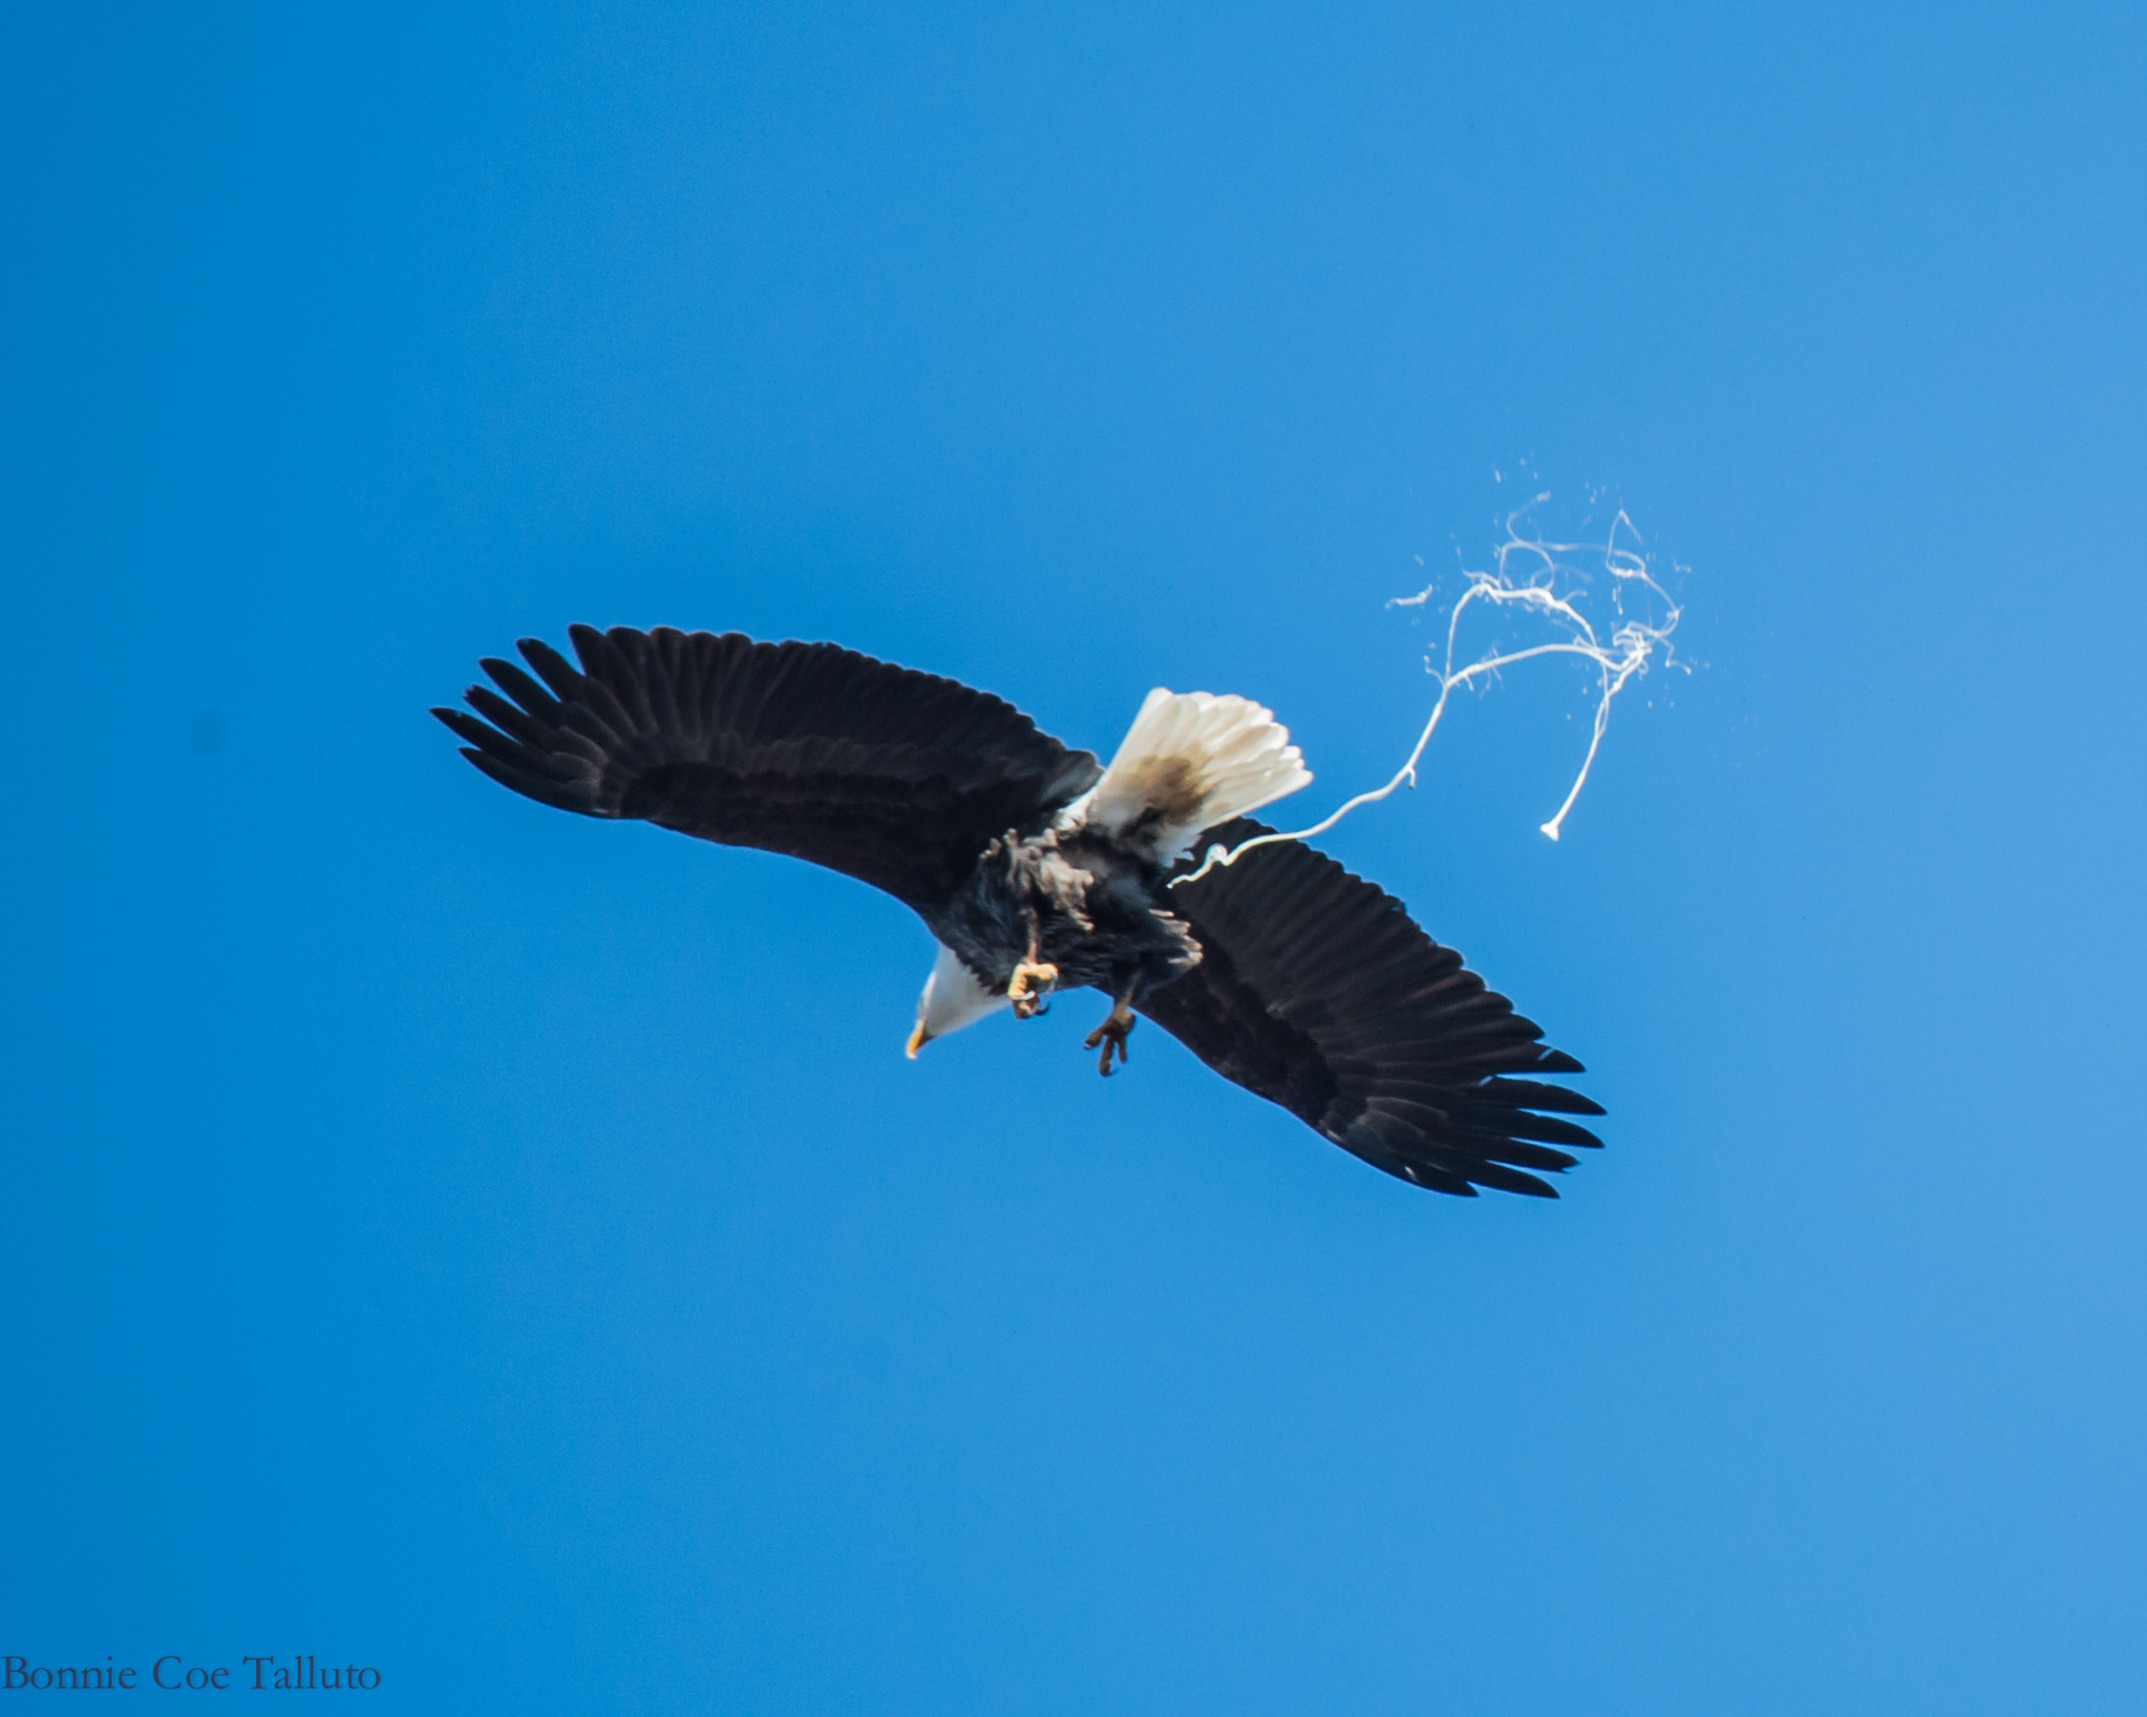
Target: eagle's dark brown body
x=1097 y=914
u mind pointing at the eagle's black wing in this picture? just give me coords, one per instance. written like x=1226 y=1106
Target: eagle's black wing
x=897 y=778
x=1318 y=991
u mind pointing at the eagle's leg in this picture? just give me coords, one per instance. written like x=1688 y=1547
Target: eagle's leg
x=1032 y=979
x=1030 y=986
x=1112 y=1034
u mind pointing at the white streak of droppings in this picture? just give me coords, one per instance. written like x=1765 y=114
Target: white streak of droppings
x=1527 y=572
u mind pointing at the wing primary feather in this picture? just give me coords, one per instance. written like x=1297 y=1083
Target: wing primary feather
x=1520 y=1124
x=508 y=717
x=533 y=698
x=545 y=792
x=1529 y=1156
x=1533 y=1094
x=1504 y=1179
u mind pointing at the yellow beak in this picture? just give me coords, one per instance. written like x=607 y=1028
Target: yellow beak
x=917 y=1040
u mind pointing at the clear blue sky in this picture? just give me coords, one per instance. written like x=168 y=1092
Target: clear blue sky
x=511 y=1251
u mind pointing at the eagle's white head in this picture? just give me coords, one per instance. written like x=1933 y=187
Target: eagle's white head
x=952 y=998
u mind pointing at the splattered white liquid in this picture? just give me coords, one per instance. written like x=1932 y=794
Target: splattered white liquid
x=1551 y=582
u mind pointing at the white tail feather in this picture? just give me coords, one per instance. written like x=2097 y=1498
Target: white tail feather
x=1191 y=760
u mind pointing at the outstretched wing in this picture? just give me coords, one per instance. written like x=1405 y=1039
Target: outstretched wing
x=1318 y=991
x=897 y=778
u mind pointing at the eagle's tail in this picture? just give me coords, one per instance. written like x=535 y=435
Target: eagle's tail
x=1190 y=761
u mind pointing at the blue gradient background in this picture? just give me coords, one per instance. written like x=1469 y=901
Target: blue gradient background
x=511 y=1251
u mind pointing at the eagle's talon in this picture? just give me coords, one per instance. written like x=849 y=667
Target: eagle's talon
x=1029 y=1002
x=1112 y=1034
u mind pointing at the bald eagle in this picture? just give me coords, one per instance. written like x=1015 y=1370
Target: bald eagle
x=1037 y=869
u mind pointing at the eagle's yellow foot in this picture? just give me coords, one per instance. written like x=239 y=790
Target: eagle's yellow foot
x=1112 y=1034
x=1030 y=986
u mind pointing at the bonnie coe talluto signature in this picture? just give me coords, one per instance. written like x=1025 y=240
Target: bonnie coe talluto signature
x=302 y=1672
